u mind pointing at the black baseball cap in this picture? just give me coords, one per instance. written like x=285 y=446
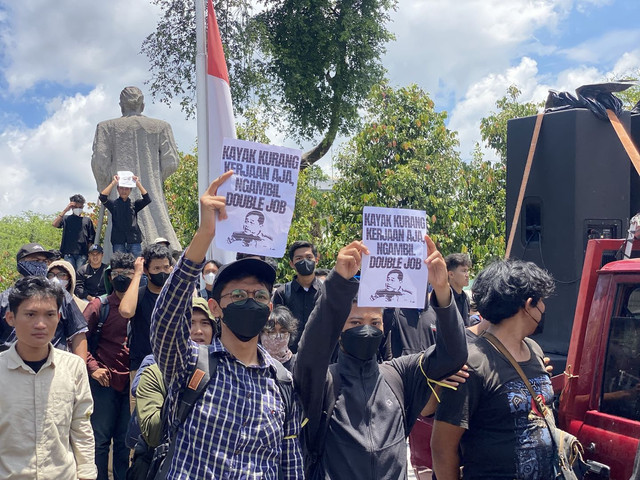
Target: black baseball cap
x=96 y=248
x=30 y=248
x=260 y=269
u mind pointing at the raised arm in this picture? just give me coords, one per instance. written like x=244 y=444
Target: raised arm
x=57 y=222
x=322 y=331
x=107 y=190
x=171 y=319
x=129 y=301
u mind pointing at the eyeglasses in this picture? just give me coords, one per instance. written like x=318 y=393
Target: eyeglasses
x=59 y=275
x=240 y=296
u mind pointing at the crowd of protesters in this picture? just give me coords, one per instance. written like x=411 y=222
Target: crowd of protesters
x=190 y=369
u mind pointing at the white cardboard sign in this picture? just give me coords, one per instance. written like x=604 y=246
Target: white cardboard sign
x=394 y=273
x=260 y=197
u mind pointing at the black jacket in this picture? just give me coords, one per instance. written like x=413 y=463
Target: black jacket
x=124 y=218
x=366 y=439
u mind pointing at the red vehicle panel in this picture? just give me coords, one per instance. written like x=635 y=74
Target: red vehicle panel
x=600 y=403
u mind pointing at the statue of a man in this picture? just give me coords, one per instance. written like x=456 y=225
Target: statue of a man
x=144 y=146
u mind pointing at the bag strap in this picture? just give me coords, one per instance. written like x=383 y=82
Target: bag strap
x=314 y=446
x=542 y=408
x=625 y=139
x=523 y=185
x=202 y=375
x=97 y=335
x=503 y=350
x=287 y=294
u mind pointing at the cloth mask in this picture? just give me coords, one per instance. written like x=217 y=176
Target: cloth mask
x=62 y=283
x=121 y=283
x=361 y=342
x=29 y=268
x=209 y=278
x=246 y=321
x=158 y=279
x=277 y=344
x=76 y=211
x=305 y=267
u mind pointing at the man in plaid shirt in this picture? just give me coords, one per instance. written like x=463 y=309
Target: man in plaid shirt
x=239 y=427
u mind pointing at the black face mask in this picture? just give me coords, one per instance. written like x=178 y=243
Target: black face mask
x=246 y=321
x=121 y=283
x=305 y=266
x=540 y=327
x=361 y=342
x=31 y=267
x=158 y=279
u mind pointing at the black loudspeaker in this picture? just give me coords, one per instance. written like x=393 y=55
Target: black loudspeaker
x=635 y=178
x=579 y=188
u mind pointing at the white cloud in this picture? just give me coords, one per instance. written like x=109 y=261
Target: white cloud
x=445 y=46
x=72 y=42
x=605 y=48
x=466 y=52
x=479 y=100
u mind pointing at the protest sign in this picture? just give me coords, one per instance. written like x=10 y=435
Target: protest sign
x=125 y=179
x=394 y=273
x=260 y=197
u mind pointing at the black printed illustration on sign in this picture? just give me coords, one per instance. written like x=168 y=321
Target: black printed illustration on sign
x=392 y=287
x=251 y=234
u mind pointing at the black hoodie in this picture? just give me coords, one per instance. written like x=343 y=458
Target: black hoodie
x=366 y=439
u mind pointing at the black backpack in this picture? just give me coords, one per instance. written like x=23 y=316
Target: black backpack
x=153 y=463
x=313 y=447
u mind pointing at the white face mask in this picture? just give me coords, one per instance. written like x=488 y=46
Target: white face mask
x=76 y=211
x=209 y=278
x=62 y=283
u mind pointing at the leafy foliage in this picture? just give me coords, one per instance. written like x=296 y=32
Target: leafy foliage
x=15 y=231
x=494 y=127
x=310 y=219
x=317 y=58
x=404 y=156
x=171 y=50
x=181 y=192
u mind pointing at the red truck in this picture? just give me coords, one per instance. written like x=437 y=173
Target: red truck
x=599 y=392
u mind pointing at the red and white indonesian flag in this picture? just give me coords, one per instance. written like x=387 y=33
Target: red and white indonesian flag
x=219 y=108
x=220 y=120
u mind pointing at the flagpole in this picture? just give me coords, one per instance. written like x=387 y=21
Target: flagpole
x=201 y=99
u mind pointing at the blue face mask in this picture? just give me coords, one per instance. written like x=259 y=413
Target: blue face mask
x=32 y=268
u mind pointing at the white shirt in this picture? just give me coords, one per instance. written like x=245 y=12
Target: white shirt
x=45 y=428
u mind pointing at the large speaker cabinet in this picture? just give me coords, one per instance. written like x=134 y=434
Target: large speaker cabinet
x=579 y=188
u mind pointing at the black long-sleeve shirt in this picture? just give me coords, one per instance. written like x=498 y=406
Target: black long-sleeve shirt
x=77 y=234
x=366 y=435
x=124 y=218
x=90 y=281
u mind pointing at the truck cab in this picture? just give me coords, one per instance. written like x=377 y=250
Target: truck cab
x=599 y=398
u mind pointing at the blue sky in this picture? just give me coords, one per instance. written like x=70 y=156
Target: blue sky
x=63 y=64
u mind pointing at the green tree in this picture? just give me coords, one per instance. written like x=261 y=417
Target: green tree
x=631 y=96
x=313 y=61
x=494 y=127
x=181 y=192
x=15 y=231
x=404 y=156
x=310 y=219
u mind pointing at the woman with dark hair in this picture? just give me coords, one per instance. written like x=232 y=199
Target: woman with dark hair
x=491 y=415
x=280 y=328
